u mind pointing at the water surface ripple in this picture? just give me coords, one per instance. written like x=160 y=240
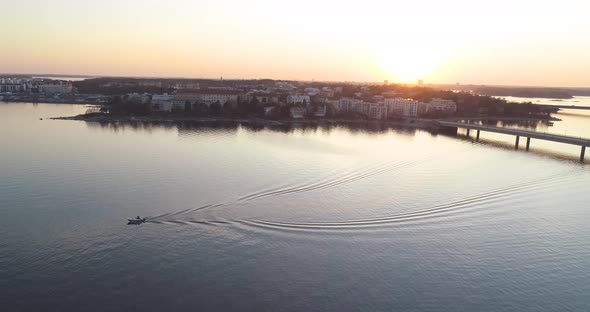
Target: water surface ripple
x=300 y=218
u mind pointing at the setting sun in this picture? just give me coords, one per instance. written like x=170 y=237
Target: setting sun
x=408 y=64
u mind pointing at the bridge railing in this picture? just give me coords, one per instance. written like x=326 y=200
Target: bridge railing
x=522 y=131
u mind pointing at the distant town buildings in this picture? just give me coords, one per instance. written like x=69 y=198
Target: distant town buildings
x=54 y=88
x=140 y=98
x=320 y=111
x=398 y=107
x=346 y=104
x=389 y=94
x=327 y=92
x=162 y=102
x=48 y=87
x=371 y=110
x=446 y=107
x=207 y=97
x=298 y=99
x=15 y=85
x=186 y=85
x=264 y=98
x=312 y=91
x=297 y=112
x=274 y=98
x=157 y=84
x=12 y=88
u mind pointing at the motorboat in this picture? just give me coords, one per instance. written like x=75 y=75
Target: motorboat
x=136 y=220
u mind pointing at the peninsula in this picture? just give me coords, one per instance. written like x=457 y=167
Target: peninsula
x=267 y=101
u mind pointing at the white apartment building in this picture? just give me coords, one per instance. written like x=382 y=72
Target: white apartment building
x=442 y=106
x=371 y=110
x=162 y=102
x=187 y=85
x=347 y=104
x=404 y=107
x=377 y=111
x=207 y=97
x=298 y=99
x=138 y=97
x=312 y=91
x=55 y=88
x=11 y=88
x=157 y=84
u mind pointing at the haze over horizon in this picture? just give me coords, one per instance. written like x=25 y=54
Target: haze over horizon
x=504 y=43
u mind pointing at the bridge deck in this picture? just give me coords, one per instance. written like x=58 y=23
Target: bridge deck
x=566 y=106
x=519 y=132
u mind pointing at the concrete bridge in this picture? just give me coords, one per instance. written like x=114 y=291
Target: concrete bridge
x=565 y=106
x=453 y=126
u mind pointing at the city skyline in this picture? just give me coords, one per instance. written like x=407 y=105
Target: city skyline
x=525 y=43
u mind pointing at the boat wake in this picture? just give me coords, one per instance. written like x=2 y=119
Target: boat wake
x=330 y=183
x=475 y=202
x=348 y=178
x=437 y=211
x=180 y=212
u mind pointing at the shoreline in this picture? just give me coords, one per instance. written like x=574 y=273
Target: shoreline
x=46 y=101
x=106 y=118
x=418 y=123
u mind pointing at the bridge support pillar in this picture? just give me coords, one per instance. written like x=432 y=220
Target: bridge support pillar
x=516 y=143
x=467 y=132
x=582 y=153
x=528 y=143
x=477 y=135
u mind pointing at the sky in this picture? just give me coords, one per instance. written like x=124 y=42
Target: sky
x=503 y=42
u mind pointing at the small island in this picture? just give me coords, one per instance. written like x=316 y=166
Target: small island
x=276 y=102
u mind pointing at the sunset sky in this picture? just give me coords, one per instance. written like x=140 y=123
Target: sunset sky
x=510 y=42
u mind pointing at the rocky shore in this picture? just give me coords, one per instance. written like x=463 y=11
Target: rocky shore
x=109 y=118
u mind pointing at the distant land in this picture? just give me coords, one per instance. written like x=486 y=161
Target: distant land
x=518 y=91
x=490 y=90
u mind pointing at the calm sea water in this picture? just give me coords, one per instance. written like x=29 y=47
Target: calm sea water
x=314 y=219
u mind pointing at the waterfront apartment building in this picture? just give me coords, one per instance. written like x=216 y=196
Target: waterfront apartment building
x=12 y=87
x=298 y=99
x=446 y=107
x=162 y=102
x=347 y=104
x=61 y=87
x=377 y=111
x=404 y=107
x=411 y=108
x=371 y=110
x=142 y=98
x=207 y=97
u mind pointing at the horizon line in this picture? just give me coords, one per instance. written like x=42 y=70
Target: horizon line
x=296 y=80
